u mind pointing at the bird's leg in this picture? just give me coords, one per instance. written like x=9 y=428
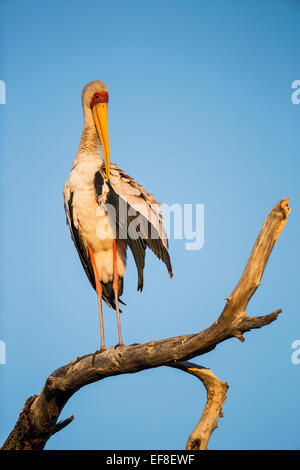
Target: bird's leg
x=116 y=291
x=99 y=293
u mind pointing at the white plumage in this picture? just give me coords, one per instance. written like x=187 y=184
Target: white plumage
x=90 y=187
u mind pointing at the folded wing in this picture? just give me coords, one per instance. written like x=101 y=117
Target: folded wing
x=137 y=218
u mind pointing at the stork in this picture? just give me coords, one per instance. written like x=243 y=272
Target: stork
x=108 y=211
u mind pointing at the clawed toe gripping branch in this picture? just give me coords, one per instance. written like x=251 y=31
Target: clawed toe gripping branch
x=38 y=420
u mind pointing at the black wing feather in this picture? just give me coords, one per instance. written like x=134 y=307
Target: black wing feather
x=122 y=219
x=108 y=295
x=80 y=247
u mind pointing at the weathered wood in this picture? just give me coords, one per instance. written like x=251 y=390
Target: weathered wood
x=38 y=420
x=238 y=300
x=216 y=395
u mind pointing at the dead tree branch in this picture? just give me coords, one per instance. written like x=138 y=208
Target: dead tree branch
x=216 y=395
x=38 y=420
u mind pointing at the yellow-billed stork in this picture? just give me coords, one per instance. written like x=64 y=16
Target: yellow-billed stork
x=107 y=210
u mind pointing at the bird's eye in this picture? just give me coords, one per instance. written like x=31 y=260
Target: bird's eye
x=99 y=98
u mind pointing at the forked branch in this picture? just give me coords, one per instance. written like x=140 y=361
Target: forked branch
x=38 y=420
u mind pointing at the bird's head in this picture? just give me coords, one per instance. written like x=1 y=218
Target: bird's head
x=95 y=99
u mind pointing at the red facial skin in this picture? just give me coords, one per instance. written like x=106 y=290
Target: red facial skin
x=99 y=98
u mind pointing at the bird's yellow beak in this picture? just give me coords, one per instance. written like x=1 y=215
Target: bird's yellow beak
x=100 y=116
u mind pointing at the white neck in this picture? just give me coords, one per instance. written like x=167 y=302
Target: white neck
x=89 y=145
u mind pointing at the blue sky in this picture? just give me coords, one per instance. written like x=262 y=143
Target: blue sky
x=200 y=111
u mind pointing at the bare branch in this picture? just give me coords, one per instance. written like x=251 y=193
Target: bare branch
x=62 y=424
x=37 y=421
x=251 y=278
x=216 y=395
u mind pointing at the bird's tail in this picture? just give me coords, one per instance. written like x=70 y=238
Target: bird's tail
x=108 y=293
